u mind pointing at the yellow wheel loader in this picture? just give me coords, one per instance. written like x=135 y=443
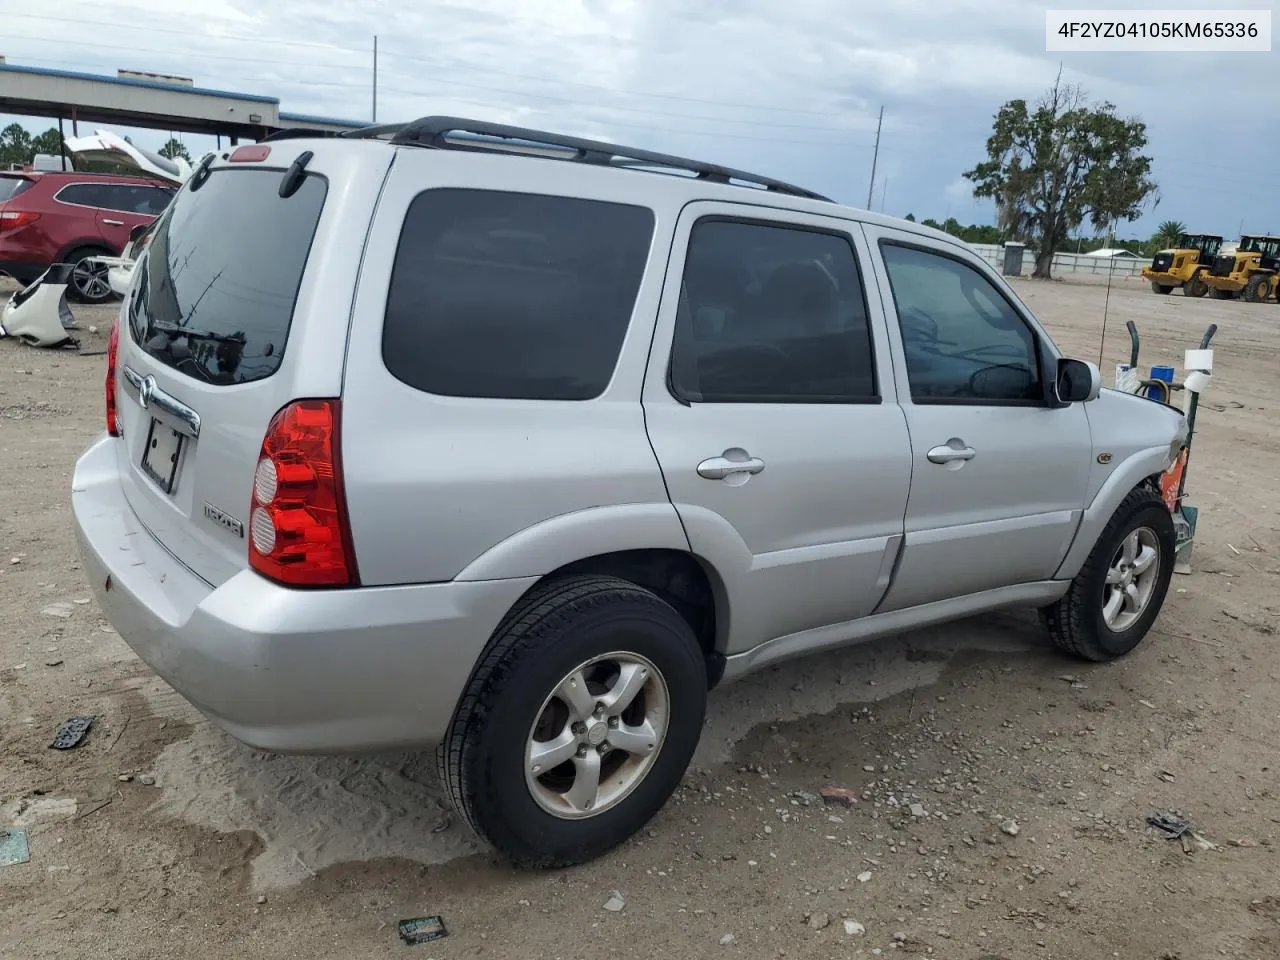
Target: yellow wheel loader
x=1183 y=265
x=1249 y=274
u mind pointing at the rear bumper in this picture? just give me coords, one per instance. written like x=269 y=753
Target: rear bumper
x=294 y=671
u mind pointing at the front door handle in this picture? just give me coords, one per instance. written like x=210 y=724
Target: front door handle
x=717 y=468
x=951 y=451
x=113 y=223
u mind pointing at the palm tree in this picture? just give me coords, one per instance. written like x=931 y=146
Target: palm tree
x=1167 y=234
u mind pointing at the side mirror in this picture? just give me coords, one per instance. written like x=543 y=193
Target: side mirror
x=138 y=232
x=1078 y=381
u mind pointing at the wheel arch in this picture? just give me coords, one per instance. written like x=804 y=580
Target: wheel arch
x=1142 y=469
x=85 y=243
x=689 y=583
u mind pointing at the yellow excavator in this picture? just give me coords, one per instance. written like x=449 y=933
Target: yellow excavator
x=1251 y=273
x=1184 y=265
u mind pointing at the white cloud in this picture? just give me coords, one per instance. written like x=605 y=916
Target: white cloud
x=789 y=89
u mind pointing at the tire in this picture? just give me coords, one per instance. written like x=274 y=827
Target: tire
x=1160 y=288
x=535 y=652
x=1257 y=289
x=1195 y=287
x=1216 y=294
x=1077 y=623
x=87 y=285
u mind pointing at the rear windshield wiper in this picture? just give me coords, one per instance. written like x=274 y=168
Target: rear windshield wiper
x=173 y=332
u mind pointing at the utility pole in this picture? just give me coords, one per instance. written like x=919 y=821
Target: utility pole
x=874 y=157
x=884 y=188
x=375 y=78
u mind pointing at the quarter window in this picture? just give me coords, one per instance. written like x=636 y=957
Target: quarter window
x=963 y=341
x=513 y=295
x=771 y=314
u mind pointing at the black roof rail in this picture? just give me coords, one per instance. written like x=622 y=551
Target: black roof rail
x=435 y=131
x=296 y=133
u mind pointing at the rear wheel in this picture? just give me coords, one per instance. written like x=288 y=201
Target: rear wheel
x=1160 y=288
x=579 y=722
x=89 y=282
x=1195 y=287
x=1119 y=591
x=1258 y=288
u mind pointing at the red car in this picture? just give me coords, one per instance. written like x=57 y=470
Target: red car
x=49 y=217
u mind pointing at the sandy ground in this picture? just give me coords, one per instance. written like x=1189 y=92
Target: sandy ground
x=160 y=837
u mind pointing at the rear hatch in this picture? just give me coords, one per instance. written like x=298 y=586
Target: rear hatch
x=241 y=305
x=107 y=147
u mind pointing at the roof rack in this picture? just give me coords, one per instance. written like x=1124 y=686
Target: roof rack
x=457 y=133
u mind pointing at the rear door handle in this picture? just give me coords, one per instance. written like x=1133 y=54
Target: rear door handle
x=717 y=468
x=947 y=453
x=113 y=223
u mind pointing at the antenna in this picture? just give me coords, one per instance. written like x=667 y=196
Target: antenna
x=1106 y=305
x=871 y=187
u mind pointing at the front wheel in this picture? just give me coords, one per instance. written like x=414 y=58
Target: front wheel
x=1118 y=593
x=578 y=724
x=1160 y=288
x=1258 y=288
x=1195 y=287
x=1216 y=293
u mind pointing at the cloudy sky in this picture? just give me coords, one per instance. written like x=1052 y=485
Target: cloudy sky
x=789 y=88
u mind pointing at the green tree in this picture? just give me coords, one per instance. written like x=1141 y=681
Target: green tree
x=175 y=148
x=911 y=217
x=1167 y=234
x=49 y=142
x=15 y=146
x=1052 y=166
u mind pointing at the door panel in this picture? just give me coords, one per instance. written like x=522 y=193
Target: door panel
x=124 y=207
x=773 y=416
x=998 y=477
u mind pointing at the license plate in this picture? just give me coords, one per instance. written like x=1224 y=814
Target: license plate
x=162 y=454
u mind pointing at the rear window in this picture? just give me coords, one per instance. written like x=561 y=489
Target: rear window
x=10 y=187
x=221 y=275
x=513 y=295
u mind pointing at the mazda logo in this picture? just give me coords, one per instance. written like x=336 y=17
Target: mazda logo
x=146 y=389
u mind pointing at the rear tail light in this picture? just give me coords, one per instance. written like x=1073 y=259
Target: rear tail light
x=298 y=529
x=113 y=349
x=13 y=219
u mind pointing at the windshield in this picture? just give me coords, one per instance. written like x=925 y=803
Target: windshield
x=220 y=277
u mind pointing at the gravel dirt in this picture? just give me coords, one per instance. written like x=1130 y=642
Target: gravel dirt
x=1000 y=790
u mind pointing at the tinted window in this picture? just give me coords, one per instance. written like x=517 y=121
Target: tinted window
x=83 y=194
x=771 y=314
x=222 y=272
x=134 y=198
x=511 y=295
x=962 y=339
x=10 y=187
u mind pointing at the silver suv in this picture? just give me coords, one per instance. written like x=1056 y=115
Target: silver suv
x=458 y=435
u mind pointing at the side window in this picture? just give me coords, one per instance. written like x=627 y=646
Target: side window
x=131 y=198
x=513 y=295
x=152 y=201
x=119 y=196
x=771 y=314
x=83 y=194
x=963 y=341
